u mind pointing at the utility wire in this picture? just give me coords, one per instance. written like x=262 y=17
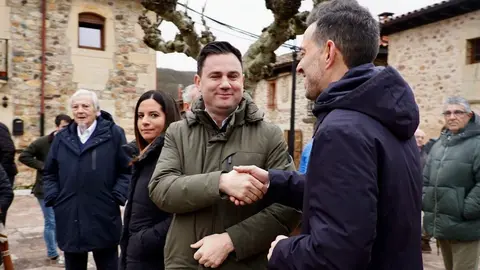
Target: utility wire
x=230 y=33
x=236 y=29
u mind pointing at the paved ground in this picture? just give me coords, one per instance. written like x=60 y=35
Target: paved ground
x=25 y=233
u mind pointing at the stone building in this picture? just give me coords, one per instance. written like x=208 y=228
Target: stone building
x=437 y=50
x=274 y=96
x=91 y=44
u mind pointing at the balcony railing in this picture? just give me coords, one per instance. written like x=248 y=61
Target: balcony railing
x=3 y=59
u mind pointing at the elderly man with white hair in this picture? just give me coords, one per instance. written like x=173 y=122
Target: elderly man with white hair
x=190 y=94
x=86 y=179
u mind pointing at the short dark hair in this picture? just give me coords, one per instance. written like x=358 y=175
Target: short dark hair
x=216 y=47
x=353 y=29
x=62 y=117
x=169 y=108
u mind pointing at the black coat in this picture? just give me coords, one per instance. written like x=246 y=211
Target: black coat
x=86 y=184
x=7 y=153
x=34 y=156
x=362 y=192
x=6 y=193
x=145 y=226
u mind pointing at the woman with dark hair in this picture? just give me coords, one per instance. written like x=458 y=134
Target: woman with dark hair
x=145 y=226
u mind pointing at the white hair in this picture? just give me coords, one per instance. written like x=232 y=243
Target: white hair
x=187 y=93
x=84 y=92
x=455 y=100
x=419 y=132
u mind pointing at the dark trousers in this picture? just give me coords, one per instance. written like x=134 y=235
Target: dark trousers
x=105 y=259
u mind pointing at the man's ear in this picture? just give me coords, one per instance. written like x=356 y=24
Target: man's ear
x=196 y=80
x=331 y=52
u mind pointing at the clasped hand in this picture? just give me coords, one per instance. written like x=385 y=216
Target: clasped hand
x=244 y=184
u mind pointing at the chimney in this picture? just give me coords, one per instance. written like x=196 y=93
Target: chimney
x=385 y=16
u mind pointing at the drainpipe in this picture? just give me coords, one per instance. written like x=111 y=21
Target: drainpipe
x=291 y=133
x=44 y=60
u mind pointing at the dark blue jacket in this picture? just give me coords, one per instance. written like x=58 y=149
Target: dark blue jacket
x=86 y=184
x=145 y=225
x=362 y=191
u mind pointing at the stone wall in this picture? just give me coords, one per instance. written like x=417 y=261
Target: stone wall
x=433 y=60
x=281 y=114
x=119 y=74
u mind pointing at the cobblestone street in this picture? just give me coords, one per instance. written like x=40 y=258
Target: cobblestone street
x=25 y=235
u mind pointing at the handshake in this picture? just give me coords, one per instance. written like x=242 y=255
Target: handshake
x=244 y=184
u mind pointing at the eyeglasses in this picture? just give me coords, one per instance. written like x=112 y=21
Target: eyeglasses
x=456 y=113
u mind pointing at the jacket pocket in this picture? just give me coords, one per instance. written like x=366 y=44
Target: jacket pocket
x=244 y=158
x=450 y=201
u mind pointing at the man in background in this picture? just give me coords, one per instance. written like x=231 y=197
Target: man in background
x=34 y=157
x=7 y=153
x=190 y=94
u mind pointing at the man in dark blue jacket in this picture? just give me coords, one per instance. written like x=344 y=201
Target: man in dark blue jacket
x=86 y=179
x=361 y=194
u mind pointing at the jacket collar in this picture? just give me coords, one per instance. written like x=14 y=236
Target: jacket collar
x=247 y=111
x=153 y=149
x=102 y=133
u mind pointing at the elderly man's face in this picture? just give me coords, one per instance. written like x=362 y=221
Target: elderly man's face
x=84 y=112
x=419 y=137
x=456 y=117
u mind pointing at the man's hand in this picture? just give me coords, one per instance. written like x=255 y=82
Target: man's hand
x=213 y=249
x=258 y=173
x=242 y=186
x=274 y=244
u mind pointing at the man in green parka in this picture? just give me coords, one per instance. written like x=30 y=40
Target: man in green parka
x=194 y=176
x=451 y=201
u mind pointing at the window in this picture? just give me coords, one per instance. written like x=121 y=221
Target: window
x=272 y=95
x=473 y=51
x=91 y=31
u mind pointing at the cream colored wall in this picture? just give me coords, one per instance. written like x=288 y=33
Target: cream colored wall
x=91 y=67
x=6 y=114
x=4 y=19
x=433 y=60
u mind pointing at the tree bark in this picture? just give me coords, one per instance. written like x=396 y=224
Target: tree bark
x=187 y=41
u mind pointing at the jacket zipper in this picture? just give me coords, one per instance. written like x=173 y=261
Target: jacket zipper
x=436 y=186
x=229 y=163
x=94 y=159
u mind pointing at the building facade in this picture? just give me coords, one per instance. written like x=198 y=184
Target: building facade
x=437 y=50
x=274 y=96
x=50 y=49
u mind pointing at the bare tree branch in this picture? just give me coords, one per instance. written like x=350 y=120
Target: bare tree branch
x=260 y=57
x=261 y=54
x=187 y=41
